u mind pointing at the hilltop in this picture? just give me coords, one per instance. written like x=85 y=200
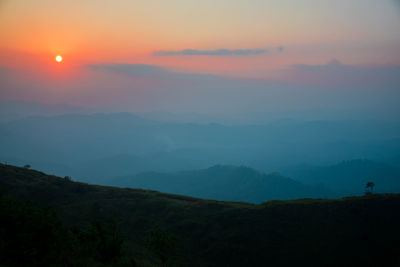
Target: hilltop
x=357 y=231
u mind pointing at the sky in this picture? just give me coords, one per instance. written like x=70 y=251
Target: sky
x=201 y=56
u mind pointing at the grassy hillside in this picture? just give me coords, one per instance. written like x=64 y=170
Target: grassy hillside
x=224 y=183
x=361 y=231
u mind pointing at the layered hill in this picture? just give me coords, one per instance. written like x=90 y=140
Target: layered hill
x=225 y=183
x=360 y=231
x=98 y=146
x=350 y=177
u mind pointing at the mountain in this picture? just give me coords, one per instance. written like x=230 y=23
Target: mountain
x=100 y=170
x=357 y=231
x=350 y=177
x=227 y=183
x=12 y=110
x=83 y=144
x=75 y=138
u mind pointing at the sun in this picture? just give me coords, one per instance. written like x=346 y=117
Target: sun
x=59 y=58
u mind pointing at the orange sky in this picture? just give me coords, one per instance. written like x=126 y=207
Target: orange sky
x=312 y=32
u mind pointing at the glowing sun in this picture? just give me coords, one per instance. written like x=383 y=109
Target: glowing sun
x=59 y=58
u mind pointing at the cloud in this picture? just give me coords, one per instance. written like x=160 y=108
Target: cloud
x=218 y=52
x=339 y=75
x=150 y=71
x=132 y=69
x=332 y=65
x=151 y=87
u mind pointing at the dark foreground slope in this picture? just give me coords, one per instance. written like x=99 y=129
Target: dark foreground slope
x=359 y=231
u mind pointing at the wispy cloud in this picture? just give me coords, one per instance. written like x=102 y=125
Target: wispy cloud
x=151 y=71
x=332 y=65
x=218 y=52
x=335 y=73
x=132 y=69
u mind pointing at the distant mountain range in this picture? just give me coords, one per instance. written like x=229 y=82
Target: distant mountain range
x=76 y=140
x=13 y=110
x=350 y=177
x=227 y=183
x=118 y=148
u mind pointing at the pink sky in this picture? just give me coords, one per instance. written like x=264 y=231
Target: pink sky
x=250 y=43
x=356 y=32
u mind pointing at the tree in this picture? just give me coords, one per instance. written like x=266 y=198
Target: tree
x=27 y=166
x=369 y=188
